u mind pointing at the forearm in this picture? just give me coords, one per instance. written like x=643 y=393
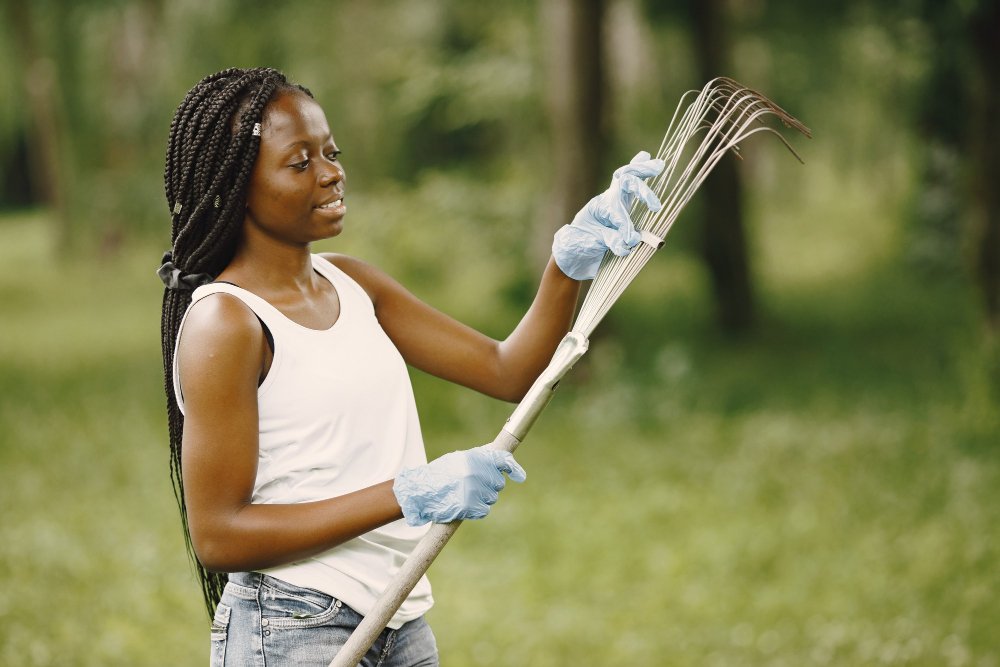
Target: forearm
x=525 y=353
x=440 y=345
x=256 y=536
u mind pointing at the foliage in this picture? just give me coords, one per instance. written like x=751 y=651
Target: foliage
x=446 y=90
x=825 y=493
x=450 y=93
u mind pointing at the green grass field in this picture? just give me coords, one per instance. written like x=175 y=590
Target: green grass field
x=824 y=493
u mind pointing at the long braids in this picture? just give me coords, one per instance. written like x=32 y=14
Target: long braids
x=213 y=144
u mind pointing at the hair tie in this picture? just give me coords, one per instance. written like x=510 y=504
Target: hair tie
x=173 y=278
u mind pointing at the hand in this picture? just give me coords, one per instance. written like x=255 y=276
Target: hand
x=604 y=223
x=459 y=485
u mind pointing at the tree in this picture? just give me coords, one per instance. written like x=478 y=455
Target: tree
x=984 y=29
x=45 y=128
x=723 y=241
x=956 y=118
x=575 y=97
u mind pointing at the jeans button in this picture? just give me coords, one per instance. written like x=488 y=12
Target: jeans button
x=264 y=622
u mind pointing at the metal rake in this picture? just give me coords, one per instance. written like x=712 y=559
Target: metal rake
x=703 y=129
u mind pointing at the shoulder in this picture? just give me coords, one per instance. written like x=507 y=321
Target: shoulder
x=220 y=360
x=221 y=322
x=373 y=280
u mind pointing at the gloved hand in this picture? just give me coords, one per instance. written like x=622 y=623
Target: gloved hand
x=459 y=485
x=604 y=223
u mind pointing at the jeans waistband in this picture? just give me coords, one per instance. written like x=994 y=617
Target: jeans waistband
x=248 y=579
x=254 y=580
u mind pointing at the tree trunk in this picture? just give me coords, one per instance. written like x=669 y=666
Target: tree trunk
x=575 y=97
x=724 y=243
x=984 y=28
x=47 y=150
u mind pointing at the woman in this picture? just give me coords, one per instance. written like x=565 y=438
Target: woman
x=296 y=450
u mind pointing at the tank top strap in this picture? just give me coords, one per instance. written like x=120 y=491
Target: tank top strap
x=347 y=288
x=277 y=326
x=354 y=302
x=270 y=315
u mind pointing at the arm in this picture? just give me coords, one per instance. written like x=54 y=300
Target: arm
x=437 y=344
x=441 y=346
x=221 y=356
x=220 y=360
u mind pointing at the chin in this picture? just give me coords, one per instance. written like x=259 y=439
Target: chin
x=334 y=229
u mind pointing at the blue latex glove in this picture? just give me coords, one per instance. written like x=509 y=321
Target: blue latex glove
x=604 y=223
x=459 y=485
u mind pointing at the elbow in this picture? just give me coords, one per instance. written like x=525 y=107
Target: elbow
x=213 y=555
x=514 y=392
x=518 y=395
x=215 y=551
x=511 y=379
x=513 y=387
x=508 y=397
x=504 y=392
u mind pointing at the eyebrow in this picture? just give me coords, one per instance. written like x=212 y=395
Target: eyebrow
x=305 y=142
x=292 y=145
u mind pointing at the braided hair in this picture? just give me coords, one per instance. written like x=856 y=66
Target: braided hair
x=213 y=144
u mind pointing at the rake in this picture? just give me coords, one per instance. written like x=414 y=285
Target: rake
x=702 y=130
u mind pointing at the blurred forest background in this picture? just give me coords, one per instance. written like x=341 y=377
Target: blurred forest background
x=784 y=445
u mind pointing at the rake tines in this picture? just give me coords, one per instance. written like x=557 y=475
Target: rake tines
x=701 y=132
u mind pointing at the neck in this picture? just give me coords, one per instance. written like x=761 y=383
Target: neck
x=266 y=265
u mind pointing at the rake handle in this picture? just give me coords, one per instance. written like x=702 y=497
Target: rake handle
x=572 y=347
x=406 y=578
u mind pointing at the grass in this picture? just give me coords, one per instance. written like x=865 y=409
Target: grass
x=826 y=492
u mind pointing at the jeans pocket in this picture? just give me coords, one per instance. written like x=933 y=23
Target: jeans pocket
x=301 y=608
x=220 y=634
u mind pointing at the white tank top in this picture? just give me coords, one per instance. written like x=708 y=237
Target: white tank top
x=336 y=415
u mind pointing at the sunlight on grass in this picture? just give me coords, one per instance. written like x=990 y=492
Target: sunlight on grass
x=72 y=310
x=83 y=463
x=836 y=227
x=824 y=492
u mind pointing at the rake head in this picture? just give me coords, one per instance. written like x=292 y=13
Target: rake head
x=702 y=130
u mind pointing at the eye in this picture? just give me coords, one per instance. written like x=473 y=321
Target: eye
x=333 y=155
x=301 y=166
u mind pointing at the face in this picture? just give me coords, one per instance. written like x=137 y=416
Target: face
x=296 y=188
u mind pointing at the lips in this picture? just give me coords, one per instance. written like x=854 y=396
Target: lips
x=332 y=204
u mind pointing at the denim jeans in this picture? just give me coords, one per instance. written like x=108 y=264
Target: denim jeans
x=263 y=621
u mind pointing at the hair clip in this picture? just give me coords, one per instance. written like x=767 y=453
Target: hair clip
x=177 y=208
x=218 y=201
x=256 y=129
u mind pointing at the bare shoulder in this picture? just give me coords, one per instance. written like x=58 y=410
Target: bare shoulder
x=220 y=318
x=221 y=339
x=372 y=279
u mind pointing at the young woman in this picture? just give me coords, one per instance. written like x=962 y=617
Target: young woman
x=295 y=447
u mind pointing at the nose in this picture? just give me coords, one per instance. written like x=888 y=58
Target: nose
x=334 y=173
